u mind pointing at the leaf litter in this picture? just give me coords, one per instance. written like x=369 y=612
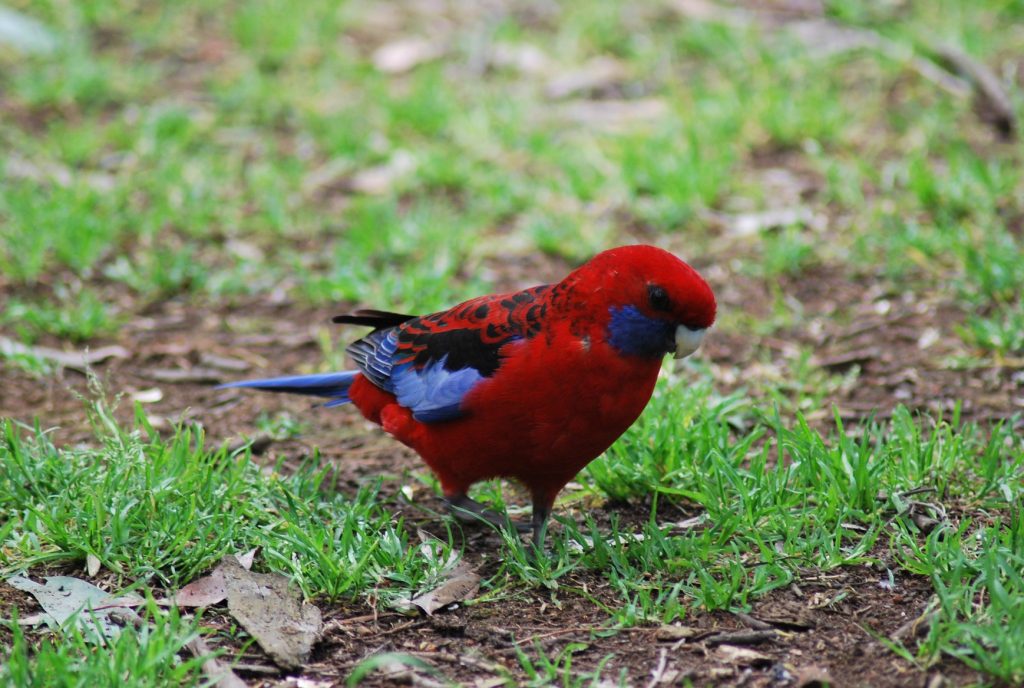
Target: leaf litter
x=460 y=585
x=211 y=589
x=270 y=608
x=267 y=606
x=67 y=600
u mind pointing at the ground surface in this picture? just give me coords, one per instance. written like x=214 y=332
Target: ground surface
x=203 y=187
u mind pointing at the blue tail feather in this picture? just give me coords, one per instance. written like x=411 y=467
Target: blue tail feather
x=332 y=386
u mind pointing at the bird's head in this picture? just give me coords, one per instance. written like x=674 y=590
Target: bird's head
x=650 y=302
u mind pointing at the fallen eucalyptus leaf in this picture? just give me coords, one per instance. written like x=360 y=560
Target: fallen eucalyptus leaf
x=25 y=34
x=92 y=564
x=184 y=375
x=405 y=54
x=381 y=179
x=148 y=396
x=209 y=590
x=66 y=598
x=669 y=632
x=460 y=585
x=76 y=360
x=741 y=656
x=599 y=73
x=611 y=115
x=271 y=611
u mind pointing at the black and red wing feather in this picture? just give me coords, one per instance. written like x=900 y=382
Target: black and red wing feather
x=472 y=334
x=431 y=362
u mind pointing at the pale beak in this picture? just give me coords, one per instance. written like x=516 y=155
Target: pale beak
x=687 y=340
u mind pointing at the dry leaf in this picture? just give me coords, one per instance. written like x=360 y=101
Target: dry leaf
x=612 y=115
x=299 y=682
x=148 y=396
x=246 y=559
x=813 y=677
x=173 y=375
x=76 y=360
x=209 y=590
x=92 y=564
x=64 y=597
x=271 y=611
x=462 y=584
x=25 y=34
x=669 y=632
x=689 y=523
x=405 y=54
x=788 y=622
x=16 y=167
x=599 y=73
x=928 y=337
x=742 y=656
x=522 y=57
x=749 y=224
x=246 y=250
x=326 y=176
x=33 y=619
x=220 y=362
x=381 y=179
x=202 y=592
x=490 y=682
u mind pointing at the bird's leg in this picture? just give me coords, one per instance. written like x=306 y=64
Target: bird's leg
x=539 y=523
x=468 y=510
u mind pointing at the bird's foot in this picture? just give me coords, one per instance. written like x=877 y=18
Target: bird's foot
x=469 y=511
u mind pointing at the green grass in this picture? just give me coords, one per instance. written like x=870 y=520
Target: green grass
x=77 y=316
x=163 y=511
x=776 y=498
x=150 y=657
x=179 y=177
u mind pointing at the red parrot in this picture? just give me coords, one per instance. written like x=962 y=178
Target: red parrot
x=531 y=385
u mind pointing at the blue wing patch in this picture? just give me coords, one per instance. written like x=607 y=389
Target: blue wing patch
x=432 y=393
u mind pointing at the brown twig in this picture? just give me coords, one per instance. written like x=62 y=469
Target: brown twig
x=222 y=676
x=993 y=102
x=753 y=622
x=740 y=638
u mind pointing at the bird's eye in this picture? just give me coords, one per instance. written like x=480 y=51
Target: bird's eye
x=659 y=298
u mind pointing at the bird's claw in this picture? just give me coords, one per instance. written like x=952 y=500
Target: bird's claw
x=468 y=510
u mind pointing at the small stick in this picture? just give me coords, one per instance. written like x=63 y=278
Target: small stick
x=740 y=638
x=659 y=671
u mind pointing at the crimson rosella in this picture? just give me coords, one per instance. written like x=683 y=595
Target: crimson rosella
x=531 y=385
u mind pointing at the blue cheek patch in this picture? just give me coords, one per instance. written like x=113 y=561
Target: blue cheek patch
x=632 y=333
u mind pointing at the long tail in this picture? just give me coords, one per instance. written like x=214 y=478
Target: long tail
x=332 y=386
